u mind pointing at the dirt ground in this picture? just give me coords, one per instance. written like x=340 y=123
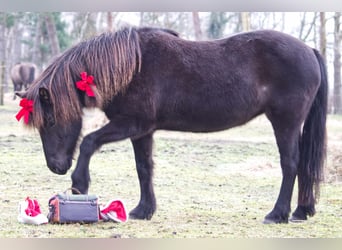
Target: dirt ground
x=207 y=185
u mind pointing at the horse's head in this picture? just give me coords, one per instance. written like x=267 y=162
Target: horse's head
x=59 y=140
x=63 y=89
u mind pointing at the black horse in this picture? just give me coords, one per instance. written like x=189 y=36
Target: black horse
x=149 y=79
x=22 y=75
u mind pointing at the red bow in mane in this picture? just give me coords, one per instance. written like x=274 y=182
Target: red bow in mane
x=26 y=110
x=86 y=83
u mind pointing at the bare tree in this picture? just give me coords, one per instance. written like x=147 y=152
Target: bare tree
x=2 y=55
x=88 y=28
x=178 y=21
x=12 y=47
x=109 y=21
x=323 y=36
x=245 y=21
x=36 y=42
x=84 y=25
x=217 y=24
x=15 y=41
x=197 y=25
x=337 y=65
x=141 y=22
x=52 y=33
x=307 y=27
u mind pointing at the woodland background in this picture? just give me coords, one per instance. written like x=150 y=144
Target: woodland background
x=207 y=185
x=40 y=36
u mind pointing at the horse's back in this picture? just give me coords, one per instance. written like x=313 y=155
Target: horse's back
x=286 y=67
x=286 y=71
x=28 y=72
x=257 y=56
x=215 y=85
x=23 y=72
x=15 y=74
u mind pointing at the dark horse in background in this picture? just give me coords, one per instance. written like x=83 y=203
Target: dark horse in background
x=22 y=75
x=149 y=79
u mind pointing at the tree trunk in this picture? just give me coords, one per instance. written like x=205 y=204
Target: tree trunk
x=323 y=36
x=84 y=26
x=37 y=38
x=52 y=33
x=337 y=65
x=109 y=21
x=197 y=26
x=88 y=28
x=2 y=55
x=141 y=22
x=16 y=56
x=217 y=23
x=304 y=33
x=245 y=21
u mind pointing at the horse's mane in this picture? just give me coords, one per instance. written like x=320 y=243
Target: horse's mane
x=112 y=58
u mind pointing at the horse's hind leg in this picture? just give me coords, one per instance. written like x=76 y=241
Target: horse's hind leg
x=144 y=164
x=301 y=212
x=287 y=135
x=17 y=88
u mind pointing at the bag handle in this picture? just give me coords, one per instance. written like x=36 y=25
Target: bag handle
x=77 y=191
x=72 y=189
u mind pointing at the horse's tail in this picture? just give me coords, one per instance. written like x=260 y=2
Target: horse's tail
x=313 y=145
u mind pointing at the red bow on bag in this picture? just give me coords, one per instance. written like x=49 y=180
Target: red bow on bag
x=27 y=108
x=33 y=208
x=114 y=210
x=86 y=83
x=30 y=213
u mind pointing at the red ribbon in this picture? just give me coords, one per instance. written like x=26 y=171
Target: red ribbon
x=85 y=84
x=26 y=110
x=117 y=208
x=33 y=208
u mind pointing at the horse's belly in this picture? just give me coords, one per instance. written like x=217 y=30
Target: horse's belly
x=208 y=110
x=204 y=121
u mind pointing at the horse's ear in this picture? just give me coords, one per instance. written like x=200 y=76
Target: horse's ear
x=21 y=94
x=44 y=96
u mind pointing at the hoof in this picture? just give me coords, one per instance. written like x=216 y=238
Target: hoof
x=273 y=218
x=302 y=212
x=140 y=214
x=295 y=219
x=273 y=221
x=267 y=221
x=134 y=216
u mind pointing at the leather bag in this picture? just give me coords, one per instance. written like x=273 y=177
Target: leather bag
x=73 y=208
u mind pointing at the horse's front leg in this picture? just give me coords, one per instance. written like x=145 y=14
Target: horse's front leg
x=117 y=129
x=144 y=164
x=81 y=177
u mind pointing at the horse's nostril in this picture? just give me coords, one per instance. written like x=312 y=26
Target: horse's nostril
x=62 y=171
x=59 y=166
x=57 y=170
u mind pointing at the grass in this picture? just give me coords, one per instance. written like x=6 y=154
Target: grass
x=207 y=185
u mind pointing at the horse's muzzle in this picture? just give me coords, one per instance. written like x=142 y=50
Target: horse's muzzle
x=59 y=167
